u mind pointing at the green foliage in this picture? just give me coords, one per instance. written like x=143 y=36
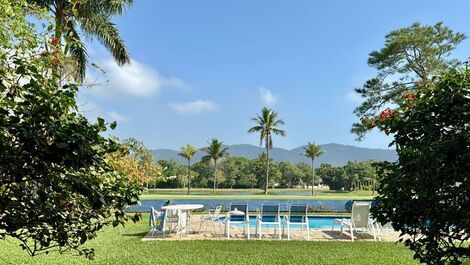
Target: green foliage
x=56 y=186
x=214 y=152
x=172 y=174
x=259 y=169
x=352 y=176
x=188 y=152
x=334 y=177
x=291 y=174
x=267 y=123
x=95 y=20
x=410 y=56
x=237 y=172
x=240 y=172
x=136 y=162
x=425 y=193
x=138 y=150
x=313 y=151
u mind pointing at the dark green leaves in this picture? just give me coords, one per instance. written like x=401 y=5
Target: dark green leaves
x=425 y=194
x=410 y=55
x=56 y=186
x=113 y=125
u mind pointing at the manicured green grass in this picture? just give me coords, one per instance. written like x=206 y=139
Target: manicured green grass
x=123 y=246
x=365 y=195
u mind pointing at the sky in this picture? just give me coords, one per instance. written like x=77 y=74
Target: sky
x=202 y=69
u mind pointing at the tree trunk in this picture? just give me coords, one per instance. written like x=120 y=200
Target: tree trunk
x=313 y=179
x=267 y=169
x=189 y=175
x=215 y=176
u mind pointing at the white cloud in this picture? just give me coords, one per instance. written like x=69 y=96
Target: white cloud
x=92 y=111
x=353 y=96
x=136 y=79
x=267 y=96
x=114 y=116
x=193 y=107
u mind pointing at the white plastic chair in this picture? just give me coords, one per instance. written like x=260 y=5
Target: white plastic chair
x=171 y=221
x=212 y=216
x=297 y=216
x=238 y=215
x=270 y=215
x=360 y=220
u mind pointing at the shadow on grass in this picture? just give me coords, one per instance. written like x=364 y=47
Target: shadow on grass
x=336 y=234
x=139 y=234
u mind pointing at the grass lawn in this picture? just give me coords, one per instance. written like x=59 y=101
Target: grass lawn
x=324 y=195
x=123 y=246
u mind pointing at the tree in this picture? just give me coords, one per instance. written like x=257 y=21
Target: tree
x=95 y=20
x=291 y=174
x=188 y=152
x=232 y=170
x=425 y=193
x=306 y=172
x=410 y=58
x=172 y=170
x=214 y=152
x=57 y=189
x=312 y=151
x=136 y=162
x=258 y=167
x=203 y=172
x=332 y=176
x=361 y=175
x=266 y=124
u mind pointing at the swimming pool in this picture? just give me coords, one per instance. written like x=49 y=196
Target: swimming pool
x=314 y=222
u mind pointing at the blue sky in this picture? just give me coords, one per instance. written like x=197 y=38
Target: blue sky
x=201 y=69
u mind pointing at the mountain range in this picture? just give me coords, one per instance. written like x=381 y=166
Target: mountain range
x=335 y=154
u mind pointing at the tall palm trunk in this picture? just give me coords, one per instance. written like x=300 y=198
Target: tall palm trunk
x=189 y=175
x=313 y=179
x=215 y=176
x=58 y=34
x=267 y=170
x=58 y=20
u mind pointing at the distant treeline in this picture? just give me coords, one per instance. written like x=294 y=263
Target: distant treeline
x=240 y=172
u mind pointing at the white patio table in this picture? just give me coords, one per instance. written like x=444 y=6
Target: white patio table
x=186 y=209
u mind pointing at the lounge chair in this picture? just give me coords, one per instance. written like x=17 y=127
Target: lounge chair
x=212 y=216
x=297 y=216
x=270 y=215
x=360 y=220
x=238 y=214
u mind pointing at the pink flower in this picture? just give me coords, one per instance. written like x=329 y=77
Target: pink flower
x=387 y=113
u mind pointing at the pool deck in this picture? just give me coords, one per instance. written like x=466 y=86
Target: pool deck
x=207 y=232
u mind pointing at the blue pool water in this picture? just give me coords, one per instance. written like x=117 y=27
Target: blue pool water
x=314 y=222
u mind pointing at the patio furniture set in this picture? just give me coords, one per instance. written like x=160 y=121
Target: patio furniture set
x=177 y=219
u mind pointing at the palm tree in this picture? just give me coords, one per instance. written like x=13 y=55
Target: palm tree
x=312 y=151
x=214 y=152
x=95 y=20
x=188 y=152
x=266 y=124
